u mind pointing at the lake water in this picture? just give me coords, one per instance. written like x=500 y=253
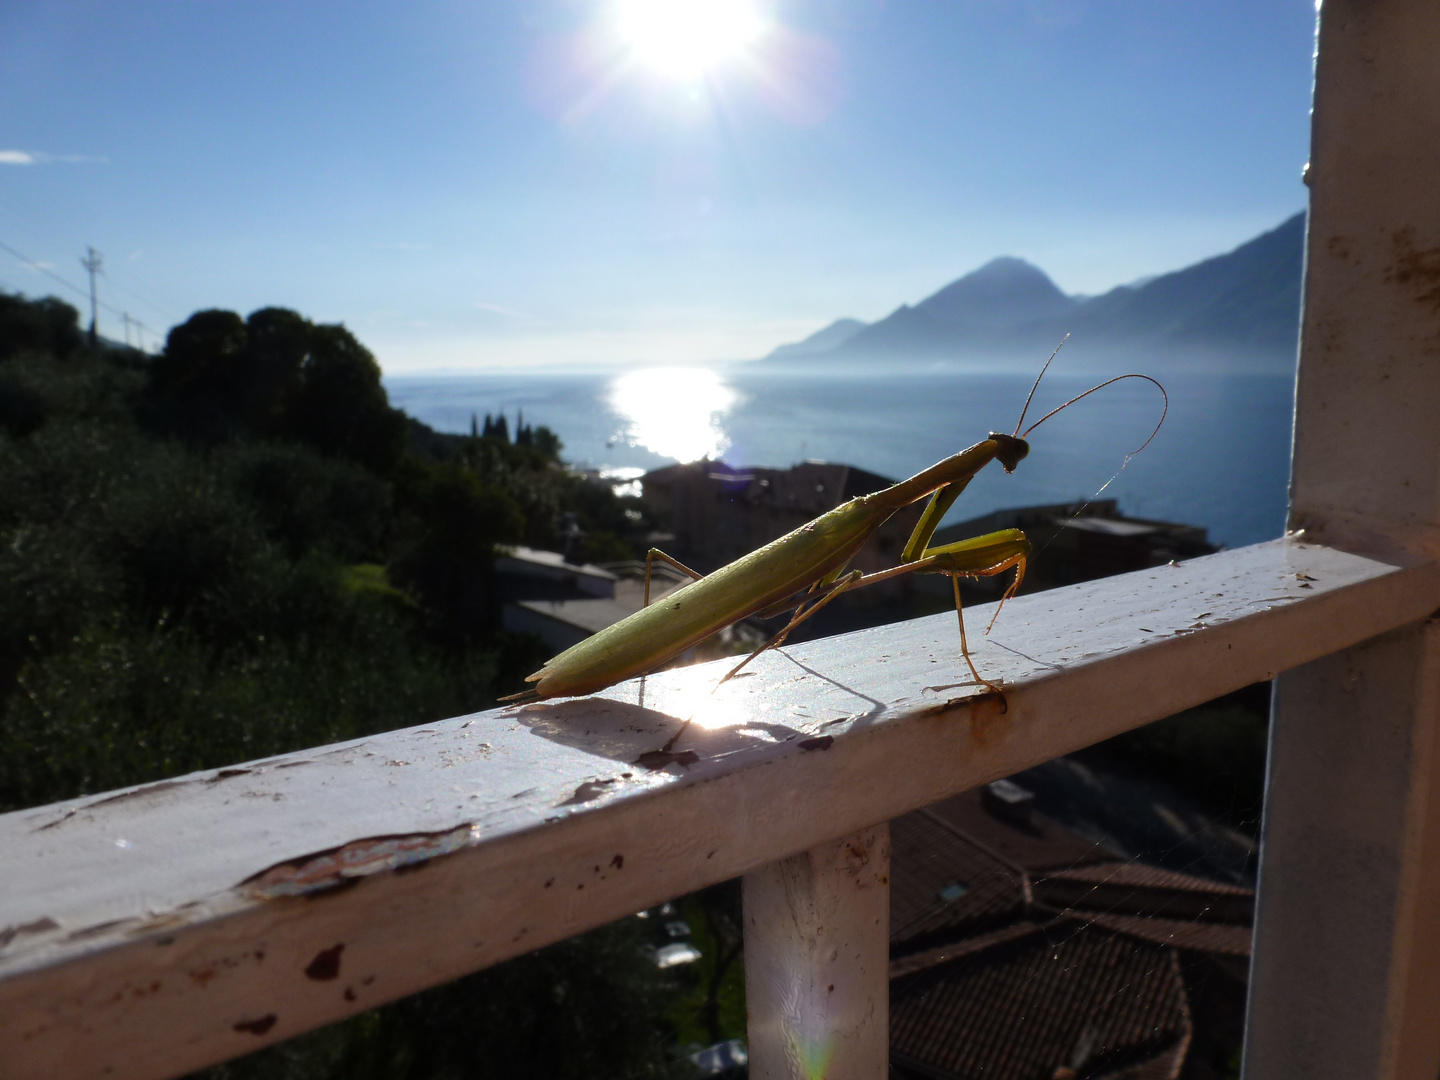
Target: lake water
x=1221 y=460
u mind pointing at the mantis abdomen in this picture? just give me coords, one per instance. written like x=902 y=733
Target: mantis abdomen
x=768 y=575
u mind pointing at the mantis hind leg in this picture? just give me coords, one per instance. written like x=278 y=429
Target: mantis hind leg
x=851 y=579
x=656 y=553
x=799 y=599
x=801 y=614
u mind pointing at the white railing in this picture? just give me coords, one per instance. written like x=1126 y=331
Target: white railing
x=1346 y=972
x=158 y=929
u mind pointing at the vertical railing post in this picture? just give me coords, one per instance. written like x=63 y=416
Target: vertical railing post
x=817 y=930
x=1346 y=974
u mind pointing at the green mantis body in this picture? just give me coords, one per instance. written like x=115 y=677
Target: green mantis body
x=809 y=560
x=804 y=570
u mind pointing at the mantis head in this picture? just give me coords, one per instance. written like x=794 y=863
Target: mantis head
x=1011 y=450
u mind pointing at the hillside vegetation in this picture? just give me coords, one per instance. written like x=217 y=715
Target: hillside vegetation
x=238 y=548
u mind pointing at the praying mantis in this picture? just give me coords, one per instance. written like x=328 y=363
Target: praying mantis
x=805 y=570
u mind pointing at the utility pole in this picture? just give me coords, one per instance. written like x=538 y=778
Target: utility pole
x=128 y=321
x=92 y=262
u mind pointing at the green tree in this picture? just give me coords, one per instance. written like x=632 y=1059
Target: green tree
x=275 y=374
x=342 y=408
x=46 y=326
x=197 y=381
x=455 y=522
x=238 y=548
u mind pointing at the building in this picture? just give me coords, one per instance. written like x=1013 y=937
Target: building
x=563 y=603
x=529 y=573
x=1022 y=951
x=718 y=512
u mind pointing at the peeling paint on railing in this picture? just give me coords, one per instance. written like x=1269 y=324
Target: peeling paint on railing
x=346 y=865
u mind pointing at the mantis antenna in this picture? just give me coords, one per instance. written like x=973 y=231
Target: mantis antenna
x=1163 y=412
x=1036 y=384
x=1100 y=386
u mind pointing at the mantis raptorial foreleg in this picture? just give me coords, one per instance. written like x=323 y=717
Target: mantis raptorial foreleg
x=980 y=556
x=939 y=504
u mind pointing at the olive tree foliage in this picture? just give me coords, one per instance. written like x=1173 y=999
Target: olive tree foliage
x=238 y=548
x=275 y=374
x=225 y=552
x=48 y=326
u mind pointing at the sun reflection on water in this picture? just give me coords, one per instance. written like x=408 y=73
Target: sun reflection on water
x=675 y=412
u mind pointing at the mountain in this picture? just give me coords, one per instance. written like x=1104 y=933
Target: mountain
x=1248 y=300
x=837 y=333
x=1240 y=309
x=1003 y=292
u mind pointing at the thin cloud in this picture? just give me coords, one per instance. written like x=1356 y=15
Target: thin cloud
x=39 y=157
x=496 y=309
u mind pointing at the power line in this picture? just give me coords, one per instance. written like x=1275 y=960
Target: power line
x=165 y=311
x=23 y=217
x=43 y=269
x=160 y=309
x=95 y=301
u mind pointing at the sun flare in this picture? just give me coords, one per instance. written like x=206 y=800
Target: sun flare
x=686 y=39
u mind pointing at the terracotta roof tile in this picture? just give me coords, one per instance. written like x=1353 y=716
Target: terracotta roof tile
x=1032 y=843
x=944 y=886
x=1131 y=888
x=1147 y=876
x=955 y=950
x=1074 y=996
x=1225 y=938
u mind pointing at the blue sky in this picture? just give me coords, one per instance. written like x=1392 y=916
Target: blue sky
x=516 y=182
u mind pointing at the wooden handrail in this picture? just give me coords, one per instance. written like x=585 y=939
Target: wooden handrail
x=151 y=931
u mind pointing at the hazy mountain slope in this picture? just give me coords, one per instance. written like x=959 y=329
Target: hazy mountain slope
x=1248 y=298
x=980 y=309
x=837 y=333
x=1004 y=292
x=1263 y=308
x=1240 y=309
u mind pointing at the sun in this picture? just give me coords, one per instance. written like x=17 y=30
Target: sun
x=687 y=39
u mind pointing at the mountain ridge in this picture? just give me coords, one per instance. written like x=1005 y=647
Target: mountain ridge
x=837 y=333
x=1238 y=309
